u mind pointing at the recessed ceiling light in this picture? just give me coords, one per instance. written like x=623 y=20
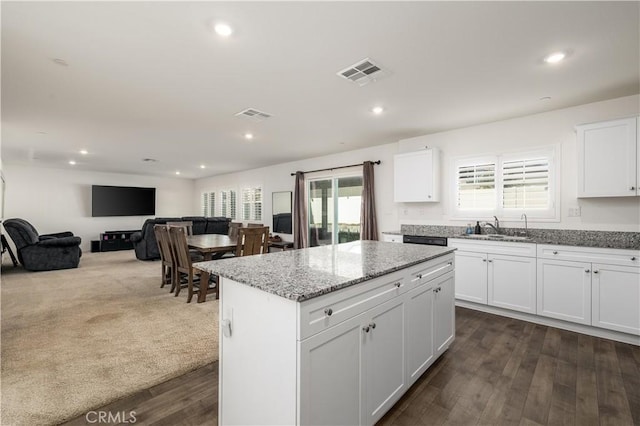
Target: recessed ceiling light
x=222 y=29
x=84 y=152
x=248 y=136
x=555 y=57
x=377 y=110
x=73 y=163
x=202 y=166
x=177 y=172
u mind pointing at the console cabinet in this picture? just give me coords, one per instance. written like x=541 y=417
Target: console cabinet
x=608 y=158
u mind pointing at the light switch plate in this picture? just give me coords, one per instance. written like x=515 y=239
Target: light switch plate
x=574 y=211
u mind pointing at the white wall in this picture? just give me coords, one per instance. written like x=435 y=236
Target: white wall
x=520 y=134
x=555 y=127
x=56 y=200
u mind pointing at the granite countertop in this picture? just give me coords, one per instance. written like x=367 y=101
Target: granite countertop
x=307 y=273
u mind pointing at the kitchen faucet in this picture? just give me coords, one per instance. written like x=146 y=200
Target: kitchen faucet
x=495 y=227
x=526 y=226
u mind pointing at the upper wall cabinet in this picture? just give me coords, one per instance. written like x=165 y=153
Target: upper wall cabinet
x=608 y=158
x=417 y=176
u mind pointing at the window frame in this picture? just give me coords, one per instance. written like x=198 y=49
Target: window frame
x=231 y=199
x=550 y=214
x=206 y=207
x=255 y=213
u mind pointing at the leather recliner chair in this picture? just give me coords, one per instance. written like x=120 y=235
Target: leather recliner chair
x=43 y=252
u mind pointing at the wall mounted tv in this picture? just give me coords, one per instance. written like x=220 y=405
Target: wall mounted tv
x=122 y=201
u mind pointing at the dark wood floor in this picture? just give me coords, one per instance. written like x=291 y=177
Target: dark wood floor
x=498 y=371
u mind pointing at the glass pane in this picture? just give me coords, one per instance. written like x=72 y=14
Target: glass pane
x=349 y=204
x=320 y=212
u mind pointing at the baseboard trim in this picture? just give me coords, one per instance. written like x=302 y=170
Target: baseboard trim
x=550 y=322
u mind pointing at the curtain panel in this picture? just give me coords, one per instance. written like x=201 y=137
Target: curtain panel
x=368 y=220
x=300 y=213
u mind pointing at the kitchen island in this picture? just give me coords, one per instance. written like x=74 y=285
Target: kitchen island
x=331 y=334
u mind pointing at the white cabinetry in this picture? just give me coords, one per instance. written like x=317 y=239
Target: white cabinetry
x=608 y=159
x=392 y=238
x=496 y=274
x=417 y=176
x=599 y=287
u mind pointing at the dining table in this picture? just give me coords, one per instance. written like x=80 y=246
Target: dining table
x=211 y=246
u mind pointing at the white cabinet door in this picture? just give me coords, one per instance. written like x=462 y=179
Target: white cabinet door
x=471 y=276
x=416 y=176
x=384 y=378
x=607 y=155
x=616 y=298
x=564 y=290
x=444 y=322
x=512 y=283
x=330 y=375
x=392 y=238
x=420 y=351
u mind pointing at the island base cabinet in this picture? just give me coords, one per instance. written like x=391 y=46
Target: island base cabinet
x=444 y=323
x=420 y=340
x=616 y=298
x=353 y=373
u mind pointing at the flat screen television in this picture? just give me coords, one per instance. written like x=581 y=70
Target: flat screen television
x=122 y=201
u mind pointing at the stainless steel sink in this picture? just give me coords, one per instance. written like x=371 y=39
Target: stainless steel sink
x=497 y=237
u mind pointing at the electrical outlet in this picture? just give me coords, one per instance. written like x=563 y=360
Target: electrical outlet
x=405 y=211
x=574 y=211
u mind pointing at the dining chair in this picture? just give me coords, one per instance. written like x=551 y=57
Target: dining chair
x=233 y=229
x=253 y=241
x=255 y=225
x=167 y=258
x=184 y=267
x=187 y=225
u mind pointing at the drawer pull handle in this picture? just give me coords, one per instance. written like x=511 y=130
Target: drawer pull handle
x=633 y=258
x=484 y=260
x=450 y=263
x=555 y=252
x=328 y=312
x=587 y=271
x=595 y=272
x=365 y=328
x=633 y=188
x=372 y=325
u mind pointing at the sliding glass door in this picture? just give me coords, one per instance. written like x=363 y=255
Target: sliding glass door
x=334 y=210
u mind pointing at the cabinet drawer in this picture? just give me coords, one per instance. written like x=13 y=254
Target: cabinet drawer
x=425 y=272
x=495 y=247
x=331 y=309
x=590 y=254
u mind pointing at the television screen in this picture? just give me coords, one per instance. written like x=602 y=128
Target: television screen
x=122 y=201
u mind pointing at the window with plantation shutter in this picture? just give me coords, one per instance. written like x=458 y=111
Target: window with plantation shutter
x=477 y=186
x=507 y=185
x=252 y=203
x=208 y=204
x=525 y=184
x=228 y=200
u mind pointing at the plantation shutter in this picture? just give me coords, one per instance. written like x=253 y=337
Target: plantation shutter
x=525 y=184
x=205 y=204
x=252 y=203
x=476 y=186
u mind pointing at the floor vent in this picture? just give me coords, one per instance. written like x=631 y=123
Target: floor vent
x=364 y=72
x=254 y=114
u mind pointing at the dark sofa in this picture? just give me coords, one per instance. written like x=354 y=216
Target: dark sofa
x=43 y=252
x=146 y=246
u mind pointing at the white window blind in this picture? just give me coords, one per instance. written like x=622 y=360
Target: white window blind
x=228 y=200
x=476 y=186
x=525 y=184
x=208 y=204
x=252 y=203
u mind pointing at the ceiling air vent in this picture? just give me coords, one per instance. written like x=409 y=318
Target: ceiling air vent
x=254 y=114
x=364 y=72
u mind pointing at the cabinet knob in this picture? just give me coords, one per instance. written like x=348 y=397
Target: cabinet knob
x=398 y=284
x=372 y=325
x=365 y=328
x=450 y=263
x=633 y=258
x=490 y=260
x=328 y=312
x=633 y=188
x=555 y=252
x=484 y=260
x=595 y=272
x=587 y=271
x=428 y=196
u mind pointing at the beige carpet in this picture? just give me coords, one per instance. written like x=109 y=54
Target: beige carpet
x=78 y=339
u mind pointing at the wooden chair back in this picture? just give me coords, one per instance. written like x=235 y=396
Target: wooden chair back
x=187 y=225
x=233 y=229
x=255 y=225
x=253 y=241
x=178 y=238
x=166 y=255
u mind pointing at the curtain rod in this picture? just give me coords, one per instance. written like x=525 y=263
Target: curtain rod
x=335 y=168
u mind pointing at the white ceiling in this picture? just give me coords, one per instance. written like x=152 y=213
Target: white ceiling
x=151 y=80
